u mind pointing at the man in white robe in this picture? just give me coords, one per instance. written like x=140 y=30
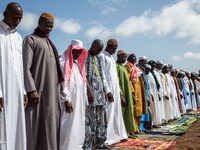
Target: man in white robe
x=167 y=88
x=176 y=111
x=158 y=74
x=155 y=95
x=116 y=130
x=12 y=118
x=187 y=82
x=194 y=98
x=73 y=97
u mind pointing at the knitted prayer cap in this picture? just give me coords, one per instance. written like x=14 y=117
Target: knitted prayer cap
x=121 y=52
x=151 y=62
x=112 y=42
x=47 y=15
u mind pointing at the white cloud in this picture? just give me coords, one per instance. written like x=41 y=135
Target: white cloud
x=67 y=26
x=29 y=21
x=106 y=7
x=133 y=25
x=182 y=19
x=176 y=58
x=108 y=10
x=186 y=55
x=105 y=2
x=98 y=31
x=192 y=55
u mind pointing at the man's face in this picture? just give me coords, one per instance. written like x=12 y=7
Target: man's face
x=76 y=53
x=112 y=49
x=13 y=17
x=147 y=70
x=122 y=58
x=165 y=69
x=143 y=62
x=159 y=66
x=46 y=26
x=97 y=48
x=133 y=59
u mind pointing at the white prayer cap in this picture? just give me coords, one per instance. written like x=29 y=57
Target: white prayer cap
x=77 y=42
x=148 y=66
x=159 y=62
x=165 y=65
x=142 y=58
x=181 y=72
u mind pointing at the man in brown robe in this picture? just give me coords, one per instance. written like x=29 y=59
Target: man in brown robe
x=42 y=76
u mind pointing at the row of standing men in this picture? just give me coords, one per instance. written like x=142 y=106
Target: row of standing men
x=82 y=98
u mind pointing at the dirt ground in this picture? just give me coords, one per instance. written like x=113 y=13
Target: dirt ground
x=191 y=139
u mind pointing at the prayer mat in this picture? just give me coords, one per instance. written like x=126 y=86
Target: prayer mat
x=158 y=137
x=139 y=144
x=177 y=127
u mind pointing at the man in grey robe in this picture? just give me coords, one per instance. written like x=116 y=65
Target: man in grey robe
x=42 y=76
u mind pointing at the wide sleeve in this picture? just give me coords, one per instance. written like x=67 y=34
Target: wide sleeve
x=118 y=74
x=28 y=53
x=128 y=68
x=1 y=69
x=67 y=86
x=105 y=84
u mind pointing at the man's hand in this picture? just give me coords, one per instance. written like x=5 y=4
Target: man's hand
x=90 y=95
x=33 y=97
x=159 y=97
x=25 y=100
x=148 y=103
x=68 y=107
x=166 y=97
x=110 y=97
x=1 y=104
x=152 y=97
x=123 y=101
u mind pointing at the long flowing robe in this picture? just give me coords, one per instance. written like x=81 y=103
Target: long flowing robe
x=73 y=125
x=167 y=102
x=183 y=94
x=138 y=89
x=197 y=92
x=174 y=98
x=193 y=96
x=116 y=129
x=40 y=73
x=187 y=88
x=178 y=93
x=154 y=92
x=125 y=90
x=160 y=93
x=12 y=117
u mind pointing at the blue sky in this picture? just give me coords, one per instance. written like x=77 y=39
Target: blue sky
x=167 y=30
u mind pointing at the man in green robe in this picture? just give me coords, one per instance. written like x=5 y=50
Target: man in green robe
x=125 y=92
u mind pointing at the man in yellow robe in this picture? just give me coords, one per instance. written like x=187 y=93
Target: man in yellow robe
x=138 y=91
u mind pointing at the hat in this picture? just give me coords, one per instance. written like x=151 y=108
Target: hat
x=47 y=15
x=112 y=42
x=165 y=65
x=121 y=52
x=151 y=62
x=159 y=62
x=142 y=58
x=147 y=66
x=77 y=42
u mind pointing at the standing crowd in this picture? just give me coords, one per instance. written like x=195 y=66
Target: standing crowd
x=82 y=99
